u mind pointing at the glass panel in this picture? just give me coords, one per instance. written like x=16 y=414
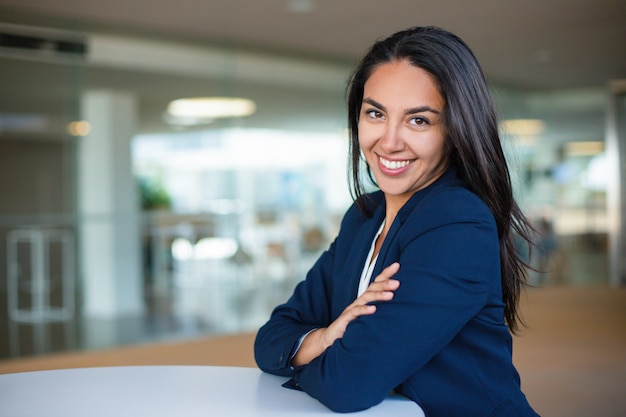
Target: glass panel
x=616 y=146
x=37 y=172
x=557 y=155
x=247 y=212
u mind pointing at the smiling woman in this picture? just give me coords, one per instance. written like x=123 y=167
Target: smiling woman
x=419 y=291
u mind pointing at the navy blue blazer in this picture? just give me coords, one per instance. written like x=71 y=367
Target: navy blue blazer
x=441 y=341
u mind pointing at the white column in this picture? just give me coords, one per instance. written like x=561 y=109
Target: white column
x=109 y=213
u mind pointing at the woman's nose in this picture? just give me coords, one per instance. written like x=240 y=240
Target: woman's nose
x=391 y=141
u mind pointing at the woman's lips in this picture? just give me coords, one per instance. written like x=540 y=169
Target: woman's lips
x=393 y=167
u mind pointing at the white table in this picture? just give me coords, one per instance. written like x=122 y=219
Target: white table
x=172 y=391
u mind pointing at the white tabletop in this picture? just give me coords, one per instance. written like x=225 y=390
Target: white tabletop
x=155 y=391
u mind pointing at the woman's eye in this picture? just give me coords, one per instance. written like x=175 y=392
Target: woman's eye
x=419 y=121
x=374 y=114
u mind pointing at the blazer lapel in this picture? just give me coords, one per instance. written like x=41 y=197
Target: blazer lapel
x=404 y=213
x=356 y=257
x=382 y=254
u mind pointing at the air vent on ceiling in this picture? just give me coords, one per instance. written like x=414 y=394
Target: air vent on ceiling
x=41 y=42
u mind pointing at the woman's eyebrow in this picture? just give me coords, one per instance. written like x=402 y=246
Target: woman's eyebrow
x=412 y=110
x=374 y=103
x=421 y=109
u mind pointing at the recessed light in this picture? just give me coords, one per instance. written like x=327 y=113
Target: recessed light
x=301 y=6
x=588 y=148
x=211 y=107
x=79 y=128
x=522 y=127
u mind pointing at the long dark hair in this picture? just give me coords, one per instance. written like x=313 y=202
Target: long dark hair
x=472 y=138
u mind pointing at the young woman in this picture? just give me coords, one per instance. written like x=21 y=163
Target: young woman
x=419 y=291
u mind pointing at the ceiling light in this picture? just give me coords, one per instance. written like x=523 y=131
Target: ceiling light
x=207 y=108
x=584 y=148
x=79 y=128
x=522 y=127
x=301 y=6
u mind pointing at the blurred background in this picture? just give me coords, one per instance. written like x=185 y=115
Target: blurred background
x=127 y=217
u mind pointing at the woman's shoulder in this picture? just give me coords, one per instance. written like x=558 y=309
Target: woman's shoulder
x=373 y=203
x=367 y=204
x=453 y=201
x=459 y=191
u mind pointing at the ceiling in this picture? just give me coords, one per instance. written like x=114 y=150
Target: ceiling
x=532 y=45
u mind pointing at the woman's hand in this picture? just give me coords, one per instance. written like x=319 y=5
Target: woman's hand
x=316 y=342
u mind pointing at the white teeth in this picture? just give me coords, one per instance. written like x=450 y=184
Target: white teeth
x=394 y=164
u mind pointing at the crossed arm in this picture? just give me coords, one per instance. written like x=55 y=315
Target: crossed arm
x=317 y=341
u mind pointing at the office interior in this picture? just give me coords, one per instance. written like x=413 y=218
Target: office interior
x=122 y=223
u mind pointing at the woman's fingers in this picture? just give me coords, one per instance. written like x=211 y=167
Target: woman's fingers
x=383 y=286
x=388 y=272
x=380 y=290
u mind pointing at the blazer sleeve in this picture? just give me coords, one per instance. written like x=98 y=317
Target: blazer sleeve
x=446 y=273
x=307 y=309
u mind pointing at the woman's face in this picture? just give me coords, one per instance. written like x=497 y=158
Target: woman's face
x=400 y=129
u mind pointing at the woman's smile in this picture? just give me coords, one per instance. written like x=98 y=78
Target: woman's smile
x=393 y=167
